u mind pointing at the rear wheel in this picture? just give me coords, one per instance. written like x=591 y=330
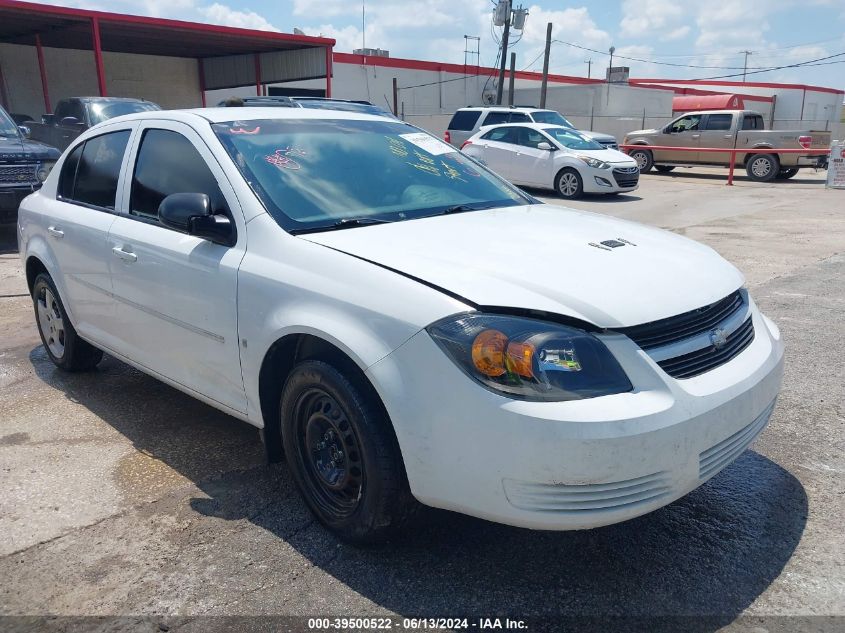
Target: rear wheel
x=63 y=345
x=664 y=169
x=342 y=454
x=762 y=167
x=787 y=173
x=644 y=158
x=569 y=184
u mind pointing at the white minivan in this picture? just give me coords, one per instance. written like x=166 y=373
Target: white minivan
x=403 y=325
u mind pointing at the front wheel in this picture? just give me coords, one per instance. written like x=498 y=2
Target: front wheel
x=342 y=454
x=664 y=169
x=63 y=345
x=644 y=158
x=569 y=184
x=762 y=167
x=787 y=173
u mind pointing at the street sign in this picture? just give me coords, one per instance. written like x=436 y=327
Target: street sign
x=836 y=166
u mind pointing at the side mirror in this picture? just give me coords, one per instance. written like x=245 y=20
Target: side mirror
x=545 y=146
x=69 y=121
x=191 y=213
x=25 y=131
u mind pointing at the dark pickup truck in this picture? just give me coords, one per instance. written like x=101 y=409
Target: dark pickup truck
x=75 y=115
x=24 y=165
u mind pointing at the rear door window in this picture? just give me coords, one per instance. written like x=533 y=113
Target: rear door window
x=496 y=118
x=464 y=120
x=503 y=135
x=68 y=175
x=97 y=171
x=519 y=117
x=752 y=122
x=718 y=122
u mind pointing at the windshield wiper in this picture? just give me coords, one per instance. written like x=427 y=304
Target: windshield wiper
x=463 y=208
x=345 y=223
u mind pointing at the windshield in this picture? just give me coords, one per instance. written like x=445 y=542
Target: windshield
x=313 y=174
x=571 y=139
x=552 y=117
x=108 y=110
x=7 y=126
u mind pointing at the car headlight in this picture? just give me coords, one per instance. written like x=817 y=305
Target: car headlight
x=44 y=170
x=530 y=359
x=595 y=162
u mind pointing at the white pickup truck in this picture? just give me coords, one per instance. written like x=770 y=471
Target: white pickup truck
x=728 y=129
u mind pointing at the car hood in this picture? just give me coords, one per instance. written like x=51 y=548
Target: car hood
x=597 y=135
x=607 y=155
x=15 y=148
x=540 y=257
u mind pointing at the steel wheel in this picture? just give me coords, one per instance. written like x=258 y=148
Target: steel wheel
x=329 y=452
x=50 y=322
x=569 y=184
x=761 y=167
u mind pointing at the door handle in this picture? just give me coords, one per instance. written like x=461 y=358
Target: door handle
x=52 y=230
x=696 y=135
x=124 y=255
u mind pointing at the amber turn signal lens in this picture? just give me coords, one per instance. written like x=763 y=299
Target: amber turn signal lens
x=488 y=353
x=519 y=357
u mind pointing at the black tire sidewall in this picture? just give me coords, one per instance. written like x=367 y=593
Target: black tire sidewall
x=580 y=190
x=383 y=475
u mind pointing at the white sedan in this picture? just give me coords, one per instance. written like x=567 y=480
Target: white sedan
x=402 y=324
x=553 y=157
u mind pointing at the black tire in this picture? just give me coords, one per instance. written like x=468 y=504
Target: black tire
x=644 y=158
x=568 y=184
x=63 y=345
x=664 y=169
x=762 y=167
x=787 y=173
x=343 y=455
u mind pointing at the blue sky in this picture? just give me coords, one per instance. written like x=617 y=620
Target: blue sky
x=712 y=34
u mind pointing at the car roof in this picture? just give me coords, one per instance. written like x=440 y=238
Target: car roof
x=248 y=113
x=500 y=108
x=533 y=126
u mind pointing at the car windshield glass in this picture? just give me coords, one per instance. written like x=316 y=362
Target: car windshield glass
x=570 y=139
x=7 y=126
x=552 y=117
x=103 y=111
x=311 y=174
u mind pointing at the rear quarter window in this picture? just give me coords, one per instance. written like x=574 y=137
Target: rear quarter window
x=464 y=120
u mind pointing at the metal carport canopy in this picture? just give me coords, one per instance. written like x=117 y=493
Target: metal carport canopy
x=62 y=27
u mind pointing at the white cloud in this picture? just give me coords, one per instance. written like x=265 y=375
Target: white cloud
x=647 y=18
x=222 y=14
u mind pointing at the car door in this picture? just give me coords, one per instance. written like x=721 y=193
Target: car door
x=176 y=294
x=533 y=166
x=716 y=131
x=682 y=132
x=500 y=150
x=78 y=227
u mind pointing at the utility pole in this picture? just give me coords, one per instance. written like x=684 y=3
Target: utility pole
x=610 y=67
x=511 y=79
x=589 y=63
x=545 y=84
x=745 y=65
x=505 y=35
x=363 y=24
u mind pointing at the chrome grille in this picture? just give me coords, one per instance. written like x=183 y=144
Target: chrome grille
x=17 y=173
x=676 y=328
x=707 y=358
x=609 y=144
